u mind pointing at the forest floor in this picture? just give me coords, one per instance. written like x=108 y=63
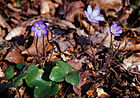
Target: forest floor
x=109 y=65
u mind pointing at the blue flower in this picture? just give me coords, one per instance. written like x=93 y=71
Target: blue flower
x=39 y=28
x=93 y=16
x=115 y=30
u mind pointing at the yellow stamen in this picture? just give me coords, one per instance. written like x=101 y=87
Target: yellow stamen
x=38 y=28
x=112 y=31
x=91 y=17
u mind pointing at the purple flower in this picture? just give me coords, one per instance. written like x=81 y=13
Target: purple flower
x=115 y=30
x=93 y=16
x=39 y=28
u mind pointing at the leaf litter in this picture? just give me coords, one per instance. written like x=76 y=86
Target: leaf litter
x=68 y=40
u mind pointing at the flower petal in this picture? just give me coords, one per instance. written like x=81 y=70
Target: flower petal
x=96 y=12
x=89 y=9
x=99 y=18
x=119 y=32
x=39 y=34
x=44 y=32
x=87 y=15
x=114 y=26
x=117 y=28
x=36 y=24
x=35 y=34
x=95 y=21
x=33 y=28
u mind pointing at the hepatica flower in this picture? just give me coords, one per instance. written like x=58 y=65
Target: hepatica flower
x=115 y=29
x=93 y=16
x=39 y=28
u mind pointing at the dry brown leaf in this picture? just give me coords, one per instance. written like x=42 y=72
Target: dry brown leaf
x=48 y=7
x=4 y=24
x=101 y=93
x=105 y=4
x=75 y=65
x=15 y=32
x=128 y=45
x=92 y=92
x=86 y=25
x=14 y=56
x=48 y=47
x=78 y=88
x=74 y=8
x=138 y=88
x=32 y=49
x=63 y=24
x=132 y=63
x=1 y=73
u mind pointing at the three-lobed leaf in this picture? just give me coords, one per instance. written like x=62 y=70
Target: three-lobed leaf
x=44 y=90
x=59 y=72
x=73 y=77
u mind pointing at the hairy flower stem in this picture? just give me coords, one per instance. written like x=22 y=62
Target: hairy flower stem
x=94 y=59
x=37 y=53
x=111 y=47
x=115 y=52
x=44 y=53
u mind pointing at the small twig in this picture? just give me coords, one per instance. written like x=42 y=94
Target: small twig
x=66 y=91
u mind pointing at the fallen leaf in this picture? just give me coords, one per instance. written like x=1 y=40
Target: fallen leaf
x=4 y=24
x=106 y=4
x=74 y=9
x=88 y=27
x=78 y=88
x=132 y=63
x=101 y=93
x=70 y=10
x=1 y=73
x=47 y=8
x=32 y=49
x=127 y=45
x=14 y=56
x=63 y=24
x=19 y=30
x=92 y=92
x=75 y=65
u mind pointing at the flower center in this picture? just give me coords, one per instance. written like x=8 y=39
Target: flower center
x=91 y=17
x=112 y=31
x=38 y=28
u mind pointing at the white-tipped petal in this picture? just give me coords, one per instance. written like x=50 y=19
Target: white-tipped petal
x=113 y=26
x=99 y=18
x=96 y=12
x=89 y=9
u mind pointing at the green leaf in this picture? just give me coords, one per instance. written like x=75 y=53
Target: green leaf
x=34 y=77
x=57 y=74
x=2 y=46
x=20 y=65
x=18 y=83
x=73 y=77
x=9 y=72
x=60 y=71
x=134 y=6
x=21 y=76
x=64 y=66
x=44 y=90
